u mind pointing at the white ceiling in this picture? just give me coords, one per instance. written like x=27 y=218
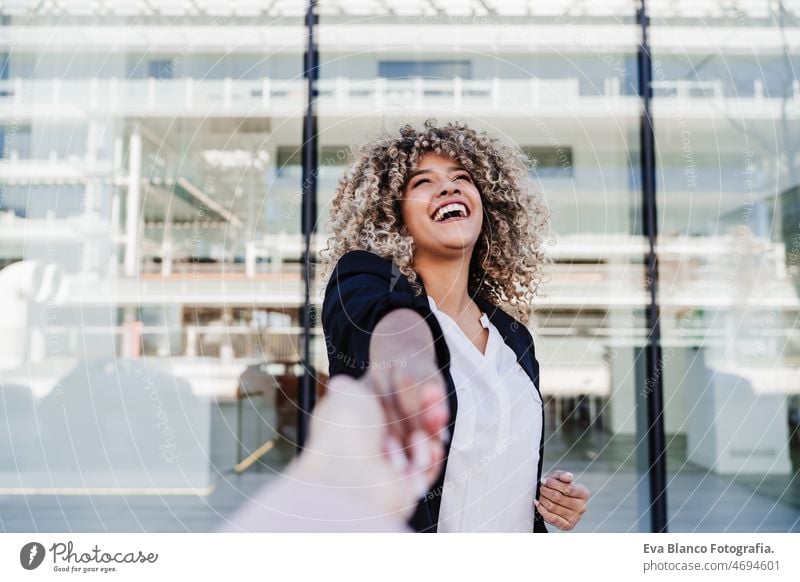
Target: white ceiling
x=452 y=8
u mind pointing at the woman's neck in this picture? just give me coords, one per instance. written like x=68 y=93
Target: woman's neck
x=447 y=282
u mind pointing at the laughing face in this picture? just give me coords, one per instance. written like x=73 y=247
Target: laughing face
x=442 y=208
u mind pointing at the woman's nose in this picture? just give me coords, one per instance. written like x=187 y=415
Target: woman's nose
x=450 y=186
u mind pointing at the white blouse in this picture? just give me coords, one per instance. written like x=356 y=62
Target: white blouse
x=490 y=481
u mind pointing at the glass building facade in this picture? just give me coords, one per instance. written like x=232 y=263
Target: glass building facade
x=150 y=246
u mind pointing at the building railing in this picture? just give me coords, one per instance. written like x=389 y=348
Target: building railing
x=247 y=96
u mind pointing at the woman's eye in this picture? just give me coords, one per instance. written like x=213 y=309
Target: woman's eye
x=464 y=176
x=421 y=181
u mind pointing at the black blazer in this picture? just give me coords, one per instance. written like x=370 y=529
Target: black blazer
x=364 y=287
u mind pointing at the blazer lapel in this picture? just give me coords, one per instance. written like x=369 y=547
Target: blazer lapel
x=515 y=338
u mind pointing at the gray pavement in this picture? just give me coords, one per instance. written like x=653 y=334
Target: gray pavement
x=698 y=501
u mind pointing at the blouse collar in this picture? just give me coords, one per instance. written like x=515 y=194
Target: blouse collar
x=484 y=319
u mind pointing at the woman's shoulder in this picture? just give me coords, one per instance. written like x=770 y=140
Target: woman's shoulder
x=363 y=258
x=363 y=267
x=362 y=262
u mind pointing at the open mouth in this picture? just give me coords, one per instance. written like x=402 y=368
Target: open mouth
x=451 y=212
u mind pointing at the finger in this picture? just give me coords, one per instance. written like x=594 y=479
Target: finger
x=558 y=498
x=411 y=401
x=580 y=491
x=571 y=508
x=435 y=412
x=422 y=398
x=427 y=453
x=418 y=477
x=435 y=418
x=393 y=423
x=573 y=490
x=396 y=426
x=395 y=454
x=419 y=451
x=438 y=457
x=552 y=518
x=421 y=457
x=558 y=509
x=563 y=476
x=407 y=389
x=416 y=403
x=553 y=483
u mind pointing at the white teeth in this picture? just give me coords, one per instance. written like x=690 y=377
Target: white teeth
x=455 y=206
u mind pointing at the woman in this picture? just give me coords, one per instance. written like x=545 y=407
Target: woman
x=440 y=225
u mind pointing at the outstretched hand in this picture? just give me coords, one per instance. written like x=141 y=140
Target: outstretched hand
x=415 y=407
x=386 y=445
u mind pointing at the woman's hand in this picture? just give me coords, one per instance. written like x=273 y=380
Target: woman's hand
x=562 y=503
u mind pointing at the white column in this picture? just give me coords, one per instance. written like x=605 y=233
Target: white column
x=228 y=92
x=113 y=93
x=250 y=259
x=191 y=341
x=117 y=157
x=17 y=92
x=151 y=93
x=719 y=92
x=93 y=93
x=132 y=206
x=380 y=92
x=56 y=91
x=113 y=263
x=166 y=243
x=93 y=183
x=535 y=91
x=342 y=93
x=758 y=89
x=189 y=93
x=93 y=134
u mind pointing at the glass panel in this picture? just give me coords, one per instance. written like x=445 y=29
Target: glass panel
x=572 y=109
x=151 y=248
x=728 y=179
x=150 y=267
x=446 y=69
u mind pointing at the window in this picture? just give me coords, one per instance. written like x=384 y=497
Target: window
x=292 y=156
x=428 y=69
x=161 y=68
x=550 y=162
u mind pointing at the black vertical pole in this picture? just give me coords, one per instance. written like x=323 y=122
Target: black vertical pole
x=307 y=395
x=654 y=389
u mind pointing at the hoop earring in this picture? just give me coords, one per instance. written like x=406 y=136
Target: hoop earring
x=486 y=256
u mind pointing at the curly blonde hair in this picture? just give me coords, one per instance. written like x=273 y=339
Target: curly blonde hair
x=508 y=261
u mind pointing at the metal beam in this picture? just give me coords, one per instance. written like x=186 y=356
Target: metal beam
x=653 y=392
x=307 y=395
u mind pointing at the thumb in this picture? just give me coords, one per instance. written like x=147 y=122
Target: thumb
x=563 y=476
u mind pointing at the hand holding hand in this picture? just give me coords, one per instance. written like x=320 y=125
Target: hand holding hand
x=354 y=445
x=414 y=404
x=403 y=373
